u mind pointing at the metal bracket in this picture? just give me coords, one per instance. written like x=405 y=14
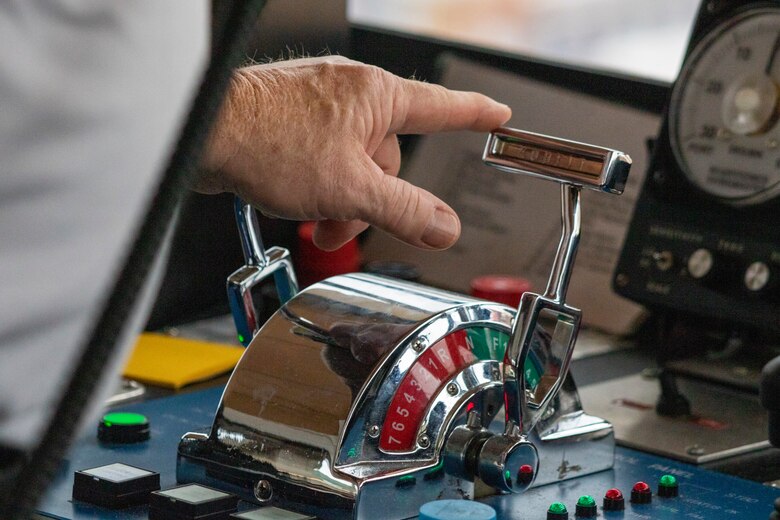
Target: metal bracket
x=259 y=265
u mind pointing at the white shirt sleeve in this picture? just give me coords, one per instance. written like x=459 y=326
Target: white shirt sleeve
x=92 y=96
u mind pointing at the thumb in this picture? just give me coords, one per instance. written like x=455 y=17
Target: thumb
x=410 y=214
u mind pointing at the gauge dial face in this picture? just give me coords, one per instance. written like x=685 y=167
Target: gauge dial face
x=723 y=117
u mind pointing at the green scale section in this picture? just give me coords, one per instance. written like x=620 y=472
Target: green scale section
x=489 y=343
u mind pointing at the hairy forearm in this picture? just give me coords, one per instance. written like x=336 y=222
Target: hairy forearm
x=225 y=146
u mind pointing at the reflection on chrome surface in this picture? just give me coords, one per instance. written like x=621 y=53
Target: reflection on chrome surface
x=306 y=406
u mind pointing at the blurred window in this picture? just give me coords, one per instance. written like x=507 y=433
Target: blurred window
x=639 y=38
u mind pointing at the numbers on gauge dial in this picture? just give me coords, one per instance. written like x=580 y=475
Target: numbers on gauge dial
x=723 y=117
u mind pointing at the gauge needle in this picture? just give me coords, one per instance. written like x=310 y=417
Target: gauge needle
x=772 y=55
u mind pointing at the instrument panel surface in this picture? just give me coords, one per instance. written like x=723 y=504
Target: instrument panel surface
x=704 y=494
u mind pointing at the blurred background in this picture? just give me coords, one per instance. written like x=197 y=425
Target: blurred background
x=624 y=50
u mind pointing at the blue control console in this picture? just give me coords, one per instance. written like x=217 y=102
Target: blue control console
x=702 y=494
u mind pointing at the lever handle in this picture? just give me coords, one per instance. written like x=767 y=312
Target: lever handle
x=561 y=160
x=259 y=265
x=545 y=329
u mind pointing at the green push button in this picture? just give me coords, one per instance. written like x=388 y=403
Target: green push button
x=124 y=419
x=668 y=486
x=123 y=428
x=557 y=511
x=586 y=501
x=586 y=507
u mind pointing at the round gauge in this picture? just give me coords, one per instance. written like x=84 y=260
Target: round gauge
x=723 y=117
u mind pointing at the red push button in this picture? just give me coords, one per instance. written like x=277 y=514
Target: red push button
x=641 y=493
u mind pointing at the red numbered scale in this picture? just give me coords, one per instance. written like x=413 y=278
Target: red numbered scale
x=426 y=378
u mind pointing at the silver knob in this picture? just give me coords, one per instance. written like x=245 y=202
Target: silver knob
x=757 y=276
x=508 y=464
x=700 y=263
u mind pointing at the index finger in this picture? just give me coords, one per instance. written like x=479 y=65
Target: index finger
x=421 y=108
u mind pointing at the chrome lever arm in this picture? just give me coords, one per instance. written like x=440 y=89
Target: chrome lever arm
x=539 y=352
x=259 y=265
x=571 y=227
x=249 y=233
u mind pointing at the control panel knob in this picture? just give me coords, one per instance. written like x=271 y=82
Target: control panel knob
x=664 y=260
x=641 y=493
x=507 y=464
x=668 y=486
x=757 y=276
x=613 y=500
x=586 y=507
x=700 y=263
x=123 y=428
x=557 y=511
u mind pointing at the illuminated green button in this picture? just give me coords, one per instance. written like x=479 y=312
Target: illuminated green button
x=123 y=428
x=586 y=501
x=124 y=419
x=586 y=507
x=557 y=511
x=668 y=486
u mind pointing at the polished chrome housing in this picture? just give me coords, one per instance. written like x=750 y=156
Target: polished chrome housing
x=561 y=160
x=302 y=415
x=303 y=405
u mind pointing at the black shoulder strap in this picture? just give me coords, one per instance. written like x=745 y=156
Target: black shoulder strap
x=233 y=27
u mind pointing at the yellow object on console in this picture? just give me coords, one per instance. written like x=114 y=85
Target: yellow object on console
x=162 y=360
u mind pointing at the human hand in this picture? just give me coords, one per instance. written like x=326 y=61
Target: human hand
x=316 y=139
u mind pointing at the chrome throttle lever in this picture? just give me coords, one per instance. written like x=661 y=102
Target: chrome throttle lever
x=259 y=265
x=545 y=329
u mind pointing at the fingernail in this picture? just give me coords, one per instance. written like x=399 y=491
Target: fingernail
x=442 y=230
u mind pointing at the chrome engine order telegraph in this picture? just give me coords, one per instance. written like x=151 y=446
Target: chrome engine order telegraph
x=365 y=396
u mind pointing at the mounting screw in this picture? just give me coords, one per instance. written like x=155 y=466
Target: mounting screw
x=373 y=431
x=622 y=279
x=452 y=389
x=423 y=441
x=418 y=345
x=263 y=490
x=711 y=6
x=695 y=450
